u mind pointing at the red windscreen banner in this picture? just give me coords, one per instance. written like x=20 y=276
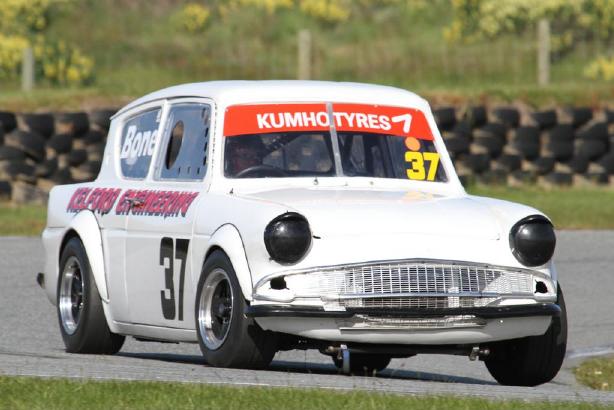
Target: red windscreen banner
x=268 y=118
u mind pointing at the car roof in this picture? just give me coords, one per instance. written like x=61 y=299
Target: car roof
x=227 y=93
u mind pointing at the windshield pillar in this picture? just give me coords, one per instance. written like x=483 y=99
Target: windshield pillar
x=334 y=140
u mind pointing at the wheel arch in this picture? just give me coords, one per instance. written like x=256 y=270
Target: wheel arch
x=228 y=240
x=84 y=226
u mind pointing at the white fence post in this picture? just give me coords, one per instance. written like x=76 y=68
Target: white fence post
x=543 y=52
x=27 y=70
x=304 y=55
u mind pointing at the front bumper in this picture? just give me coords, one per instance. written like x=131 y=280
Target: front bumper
x=494 y=312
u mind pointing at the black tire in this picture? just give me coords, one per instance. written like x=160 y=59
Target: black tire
x=81 y=317
x=8 y=121
x=591 y=149
x=593 y=131
x=77 y=157
x=12 y=169
x=457 y=145
x=525 y=149
x=493 y=130
x=507 y=163
x=579 y=116
x=101 y=119
x=558 y=133
x=30 y=143
x=362 y=364
x=42 y=124
x=11 y=154
x=477 y=163
x=62 y=176
x=507 y=115
x=46 y=168
x=5 y=189
x=234 y=340
x=545 y=119
x=559 y=150
x=543 y=165
x=492 y=177
x=526 y=134
x=523 y=177
x=475 y=115
x=490 y=144
x=75 y=123
x=533 y=360
x=60 y=143
x=92 y=167
x=577 y=165
x=445 y=117
x=461 y=129
x=607 y=162
x=559 y=178
x=94 y=137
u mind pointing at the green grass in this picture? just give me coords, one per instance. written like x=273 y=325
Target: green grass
x=34 y=393
x=138 y=47
x=571 y=208
x=22 y=220
x=597 y=373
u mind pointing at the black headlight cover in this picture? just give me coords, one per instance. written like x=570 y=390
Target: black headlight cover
x=287 y=238
x=532 y=240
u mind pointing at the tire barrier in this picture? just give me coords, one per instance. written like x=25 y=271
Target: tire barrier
x=505 y=145
x=515 y=146
x=41 y=150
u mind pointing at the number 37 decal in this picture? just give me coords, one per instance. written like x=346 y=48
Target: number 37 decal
x=416 y=170
x=171 y=249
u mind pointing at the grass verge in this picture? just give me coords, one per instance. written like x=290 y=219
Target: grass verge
x=597 y=373
x=22 y=220
x=35 y=393
x=569 y=208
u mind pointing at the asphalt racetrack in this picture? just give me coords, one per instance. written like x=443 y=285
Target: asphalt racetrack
x=30 y=342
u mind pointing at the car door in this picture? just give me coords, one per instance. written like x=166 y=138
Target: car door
x=132 y=153
x=159 y=226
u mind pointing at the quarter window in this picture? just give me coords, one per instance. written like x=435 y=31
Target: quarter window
x=187 y=132
x=139 y=138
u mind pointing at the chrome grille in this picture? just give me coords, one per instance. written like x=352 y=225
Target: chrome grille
x=415 y=302
x=411 y=278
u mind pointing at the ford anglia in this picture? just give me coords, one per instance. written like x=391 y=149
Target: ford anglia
x=255 y=217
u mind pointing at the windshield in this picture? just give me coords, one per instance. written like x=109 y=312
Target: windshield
x=304 y=144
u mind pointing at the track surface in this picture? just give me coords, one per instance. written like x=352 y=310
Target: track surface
x=30 y=342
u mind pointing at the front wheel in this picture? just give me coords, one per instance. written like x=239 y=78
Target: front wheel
x=83 y=325
x=227 y=337
x=533 y=360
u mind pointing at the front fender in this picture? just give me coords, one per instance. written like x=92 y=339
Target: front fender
x=228 y=239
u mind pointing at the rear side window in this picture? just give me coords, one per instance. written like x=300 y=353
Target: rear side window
x=187 y=141
x=139 y=137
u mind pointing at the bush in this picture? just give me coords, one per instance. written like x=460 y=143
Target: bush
x=193 y=17
x=63 y=64
x=11 y=51
x=602 y=68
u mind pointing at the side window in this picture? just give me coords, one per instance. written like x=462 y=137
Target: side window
x=187 y=136
x=139 y=137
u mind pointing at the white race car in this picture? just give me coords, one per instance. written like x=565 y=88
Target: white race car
x=254 y=217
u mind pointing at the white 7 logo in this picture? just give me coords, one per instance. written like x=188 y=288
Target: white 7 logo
x=406 y=118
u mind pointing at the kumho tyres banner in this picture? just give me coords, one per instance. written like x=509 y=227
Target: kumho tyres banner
x=268 y=118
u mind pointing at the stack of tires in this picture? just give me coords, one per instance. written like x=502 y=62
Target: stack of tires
x=515 y=146
x=41 y=150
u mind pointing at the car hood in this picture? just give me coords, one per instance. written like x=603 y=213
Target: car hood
x=350 y=212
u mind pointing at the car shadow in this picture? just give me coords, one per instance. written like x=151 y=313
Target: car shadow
x=317 y=368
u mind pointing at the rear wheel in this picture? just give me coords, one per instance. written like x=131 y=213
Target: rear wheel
x=365 y=364
x=83 y=325
x=533 y=360
x=227 y=337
